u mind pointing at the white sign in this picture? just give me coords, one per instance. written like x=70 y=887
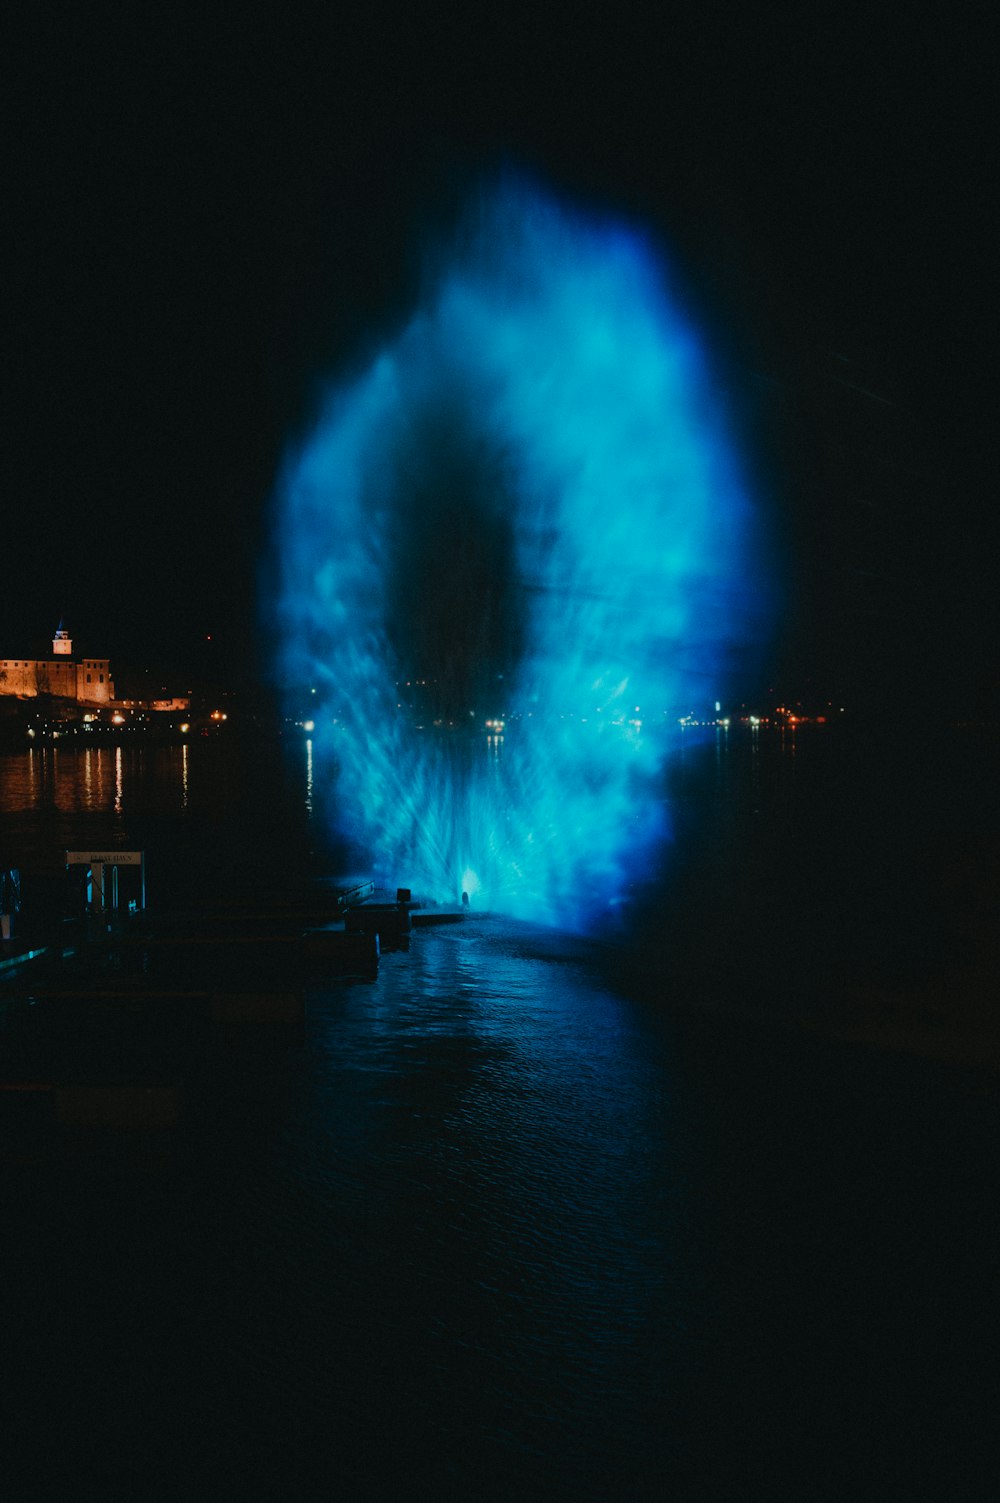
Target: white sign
x=103 y=858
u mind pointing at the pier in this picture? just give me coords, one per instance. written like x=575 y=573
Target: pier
x=112 y=1015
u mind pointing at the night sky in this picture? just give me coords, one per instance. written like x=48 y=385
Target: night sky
x=206 y=214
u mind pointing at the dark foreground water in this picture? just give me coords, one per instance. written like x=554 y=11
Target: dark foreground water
x=517 y=1221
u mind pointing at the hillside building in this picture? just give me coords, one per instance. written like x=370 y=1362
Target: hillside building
x=86 y=681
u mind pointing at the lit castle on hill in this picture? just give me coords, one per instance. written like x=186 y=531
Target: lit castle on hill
x=85 y=680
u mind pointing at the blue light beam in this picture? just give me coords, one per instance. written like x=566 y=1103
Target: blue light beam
x=526 y=508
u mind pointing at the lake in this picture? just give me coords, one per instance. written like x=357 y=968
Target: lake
x=522 y=1217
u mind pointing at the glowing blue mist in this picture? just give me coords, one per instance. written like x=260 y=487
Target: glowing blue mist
x=525 y=508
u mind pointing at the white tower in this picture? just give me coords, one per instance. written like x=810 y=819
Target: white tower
x=62 y=643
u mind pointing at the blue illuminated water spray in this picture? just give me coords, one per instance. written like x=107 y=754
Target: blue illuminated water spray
x=513 y=550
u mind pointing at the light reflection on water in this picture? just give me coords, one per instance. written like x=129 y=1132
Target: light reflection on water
x=206 y=814
x=502 y=1227
x=118 y=779
x=499 y=1138
x=70 y=780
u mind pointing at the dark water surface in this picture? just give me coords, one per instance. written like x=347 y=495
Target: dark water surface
x=517 y=1221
